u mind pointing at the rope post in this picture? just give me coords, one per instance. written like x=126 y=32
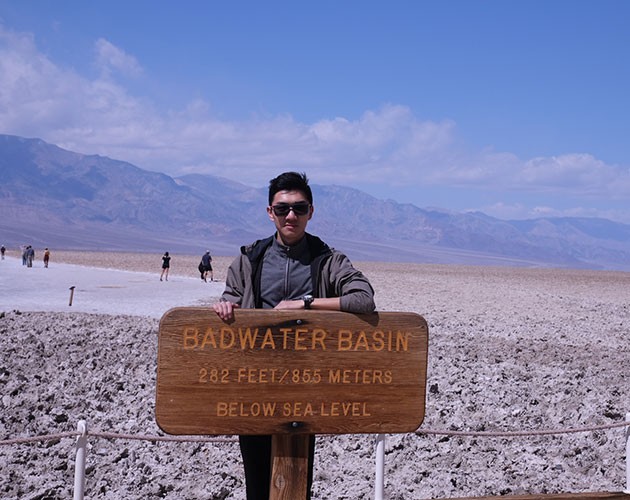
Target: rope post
x=71 y=295
x=380 y=467
x=79 y=462
x=627 y=490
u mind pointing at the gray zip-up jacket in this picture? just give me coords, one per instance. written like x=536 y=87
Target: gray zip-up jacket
x=332 y=275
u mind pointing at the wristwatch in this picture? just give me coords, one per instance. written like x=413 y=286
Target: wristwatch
x=308 y=300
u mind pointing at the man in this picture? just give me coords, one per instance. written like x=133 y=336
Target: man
x=289 y=270
x=30 y=256
x=206 y=262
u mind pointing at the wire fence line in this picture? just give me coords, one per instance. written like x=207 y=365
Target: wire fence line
x=198 y=439
x=541 y=432
x=82 y=434
x=114 y=435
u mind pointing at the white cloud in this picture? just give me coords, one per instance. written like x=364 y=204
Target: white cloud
x=110 y=58
x=570 y=170
x=387 y=146
x=516 y=211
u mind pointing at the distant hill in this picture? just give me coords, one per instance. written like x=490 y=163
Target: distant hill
x=57 y=198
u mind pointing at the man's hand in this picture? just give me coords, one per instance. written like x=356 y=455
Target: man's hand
x=225 y=309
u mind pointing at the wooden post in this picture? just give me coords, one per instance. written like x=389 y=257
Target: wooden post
x=289 y=462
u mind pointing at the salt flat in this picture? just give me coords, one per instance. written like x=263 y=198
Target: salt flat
x=97 y=289
x=510 y=349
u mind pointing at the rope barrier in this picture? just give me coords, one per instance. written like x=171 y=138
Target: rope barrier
x=113 y=435
x=521 y=433
x=180 y=439
x=47 y=437
x=419 y=432
x=82 y=434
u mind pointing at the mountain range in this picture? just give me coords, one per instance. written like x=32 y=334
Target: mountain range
x=65 y=200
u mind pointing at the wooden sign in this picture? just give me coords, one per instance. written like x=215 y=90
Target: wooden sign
x=286 y=372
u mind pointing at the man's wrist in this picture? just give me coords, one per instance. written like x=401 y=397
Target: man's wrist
x=308 y=300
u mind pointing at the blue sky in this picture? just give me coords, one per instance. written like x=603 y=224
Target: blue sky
x=516 y=108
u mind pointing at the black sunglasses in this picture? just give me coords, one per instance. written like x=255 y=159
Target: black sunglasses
x=282 y=209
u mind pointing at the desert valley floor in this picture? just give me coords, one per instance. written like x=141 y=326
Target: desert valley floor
x=510 y=349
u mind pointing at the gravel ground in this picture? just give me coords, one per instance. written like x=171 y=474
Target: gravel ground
x=509 y=350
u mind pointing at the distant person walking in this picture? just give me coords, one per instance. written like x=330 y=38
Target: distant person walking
x=205 y=266
x=30 y=256
x=166 y=265
x=2 y=251
x=24 y=251
x=46 y=257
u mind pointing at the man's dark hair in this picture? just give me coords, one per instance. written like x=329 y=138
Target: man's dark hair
x=290 y=181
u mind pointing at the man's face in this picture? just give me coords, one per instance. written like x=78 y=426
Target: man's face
x=292 y=226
